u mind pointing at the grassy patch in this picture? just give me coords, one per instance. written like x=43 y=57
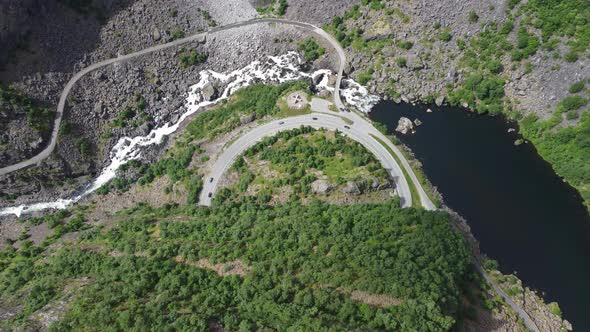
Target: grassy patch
x=416 y=201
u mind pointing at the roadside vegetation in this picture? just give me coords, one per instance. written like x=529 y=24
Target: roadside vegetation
x=298 y=157
x=38 y=117
x=311 y=50
x=276 y=7
x=191 y=58
x=258 y=99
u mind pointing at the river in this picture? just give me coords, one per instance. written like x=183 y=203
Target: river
x=523 y=215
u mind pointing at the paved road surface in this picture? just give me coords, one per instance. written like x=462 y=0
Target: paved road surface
x=230 y=154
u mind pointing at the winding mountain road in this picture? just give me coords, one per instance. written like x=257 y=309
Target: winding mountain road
x=362 y=131
x=199 y=36
x=317 y=121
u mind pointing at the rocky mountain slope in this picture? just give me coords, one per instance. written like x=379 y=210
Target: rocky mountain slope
x=126 y=99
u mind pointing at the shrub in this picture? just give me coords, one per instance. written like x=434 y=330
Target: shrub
x=65 y=128
x=490 y=264
x=554 y=308
x=282 y=9
x=473 y=17
x=461 y=44
x=406 y=45
x=311 y=50
x=494 y=66
x=177 y=34
x=572 y=103
x=192 y=58
x=527 y=43
x=445 y=36
x=366 y=76
x=507 y=27
x=513 y=3
x=572 y=115
x=401 y=62
x=571 y=56
x=577 y=87
x=83 y=145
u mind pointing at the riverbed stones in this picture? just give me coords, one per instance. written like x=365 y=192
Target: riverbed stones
x=208 y=92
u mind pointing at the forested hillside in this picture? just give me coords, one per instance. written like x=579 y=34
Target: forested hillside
x=315 y=267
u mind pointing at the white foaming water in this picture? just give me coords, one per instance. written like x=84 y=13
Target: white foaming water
x=357 y=95
x=277 y=69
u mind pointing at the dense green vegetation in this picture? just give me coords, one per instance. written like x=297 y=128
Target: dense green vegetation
x=561 y=18
x=273 y=8
x=566 y=148
x=311 y=50
x=177 y=34
x=482 y=93
x=258 y=99
x=301 y=262
x=38 y=117
x=299 y=155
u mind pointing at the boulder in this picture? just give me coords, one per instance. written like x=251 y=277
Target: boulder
x=321 y=187
x=98 y=107
x=245 y=119
x=208 y=92
x=404 y=125
x=385 y=185
x=351 y=188
x=439 y=100
x=156 y=34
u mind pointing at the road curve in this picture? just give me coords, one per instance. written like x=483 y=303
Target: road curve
x=315 y=120
x=66 y=91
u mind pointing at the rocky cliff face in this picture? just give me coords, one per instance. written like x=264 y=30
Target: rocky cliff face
x=15 y=18
x=407 y=58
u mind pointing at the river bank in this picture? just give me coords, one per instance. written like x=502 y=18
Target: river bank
x=521 y=213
